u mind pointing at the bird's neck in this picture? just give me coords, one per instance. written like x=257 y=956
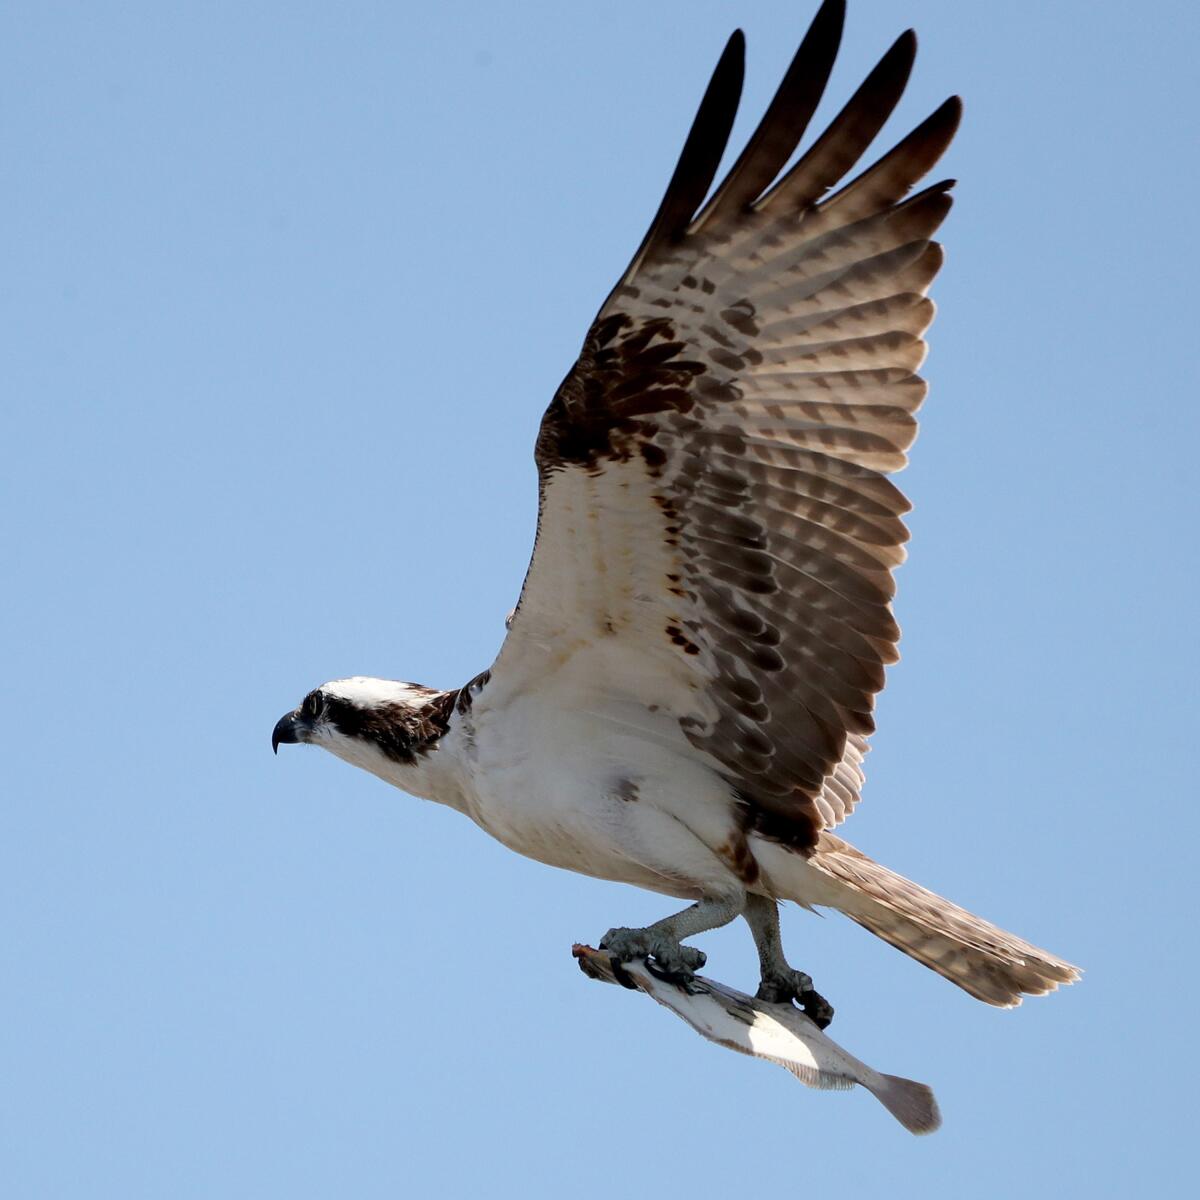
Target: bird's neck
x=432 y=775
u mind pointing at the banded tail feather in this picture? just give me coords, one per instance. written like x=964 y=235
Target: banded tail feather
x=981 y=958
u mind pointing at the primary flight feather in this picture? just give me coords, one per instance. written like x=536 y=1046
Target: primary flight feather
x=685 y=693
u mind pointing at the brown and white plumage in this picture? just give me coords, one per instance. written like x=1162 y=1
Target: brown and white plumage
x=739 y=401
x=685 y=692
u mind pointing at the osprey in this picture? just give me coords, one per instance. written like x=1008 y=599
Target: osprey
x=683 y=698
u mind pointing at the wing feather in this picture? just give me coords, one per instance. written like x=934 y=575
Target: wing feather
x=786 y=118
x=701 y=154
x=716 y=526
x=850 y=132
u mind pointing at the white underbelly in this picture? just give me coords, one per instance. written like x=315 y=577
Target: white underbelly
x=618 y=794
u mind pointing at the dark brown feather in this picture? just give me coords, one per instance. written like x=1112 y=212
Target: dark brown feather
x=786 y=119
x=701 y=154
x=402 y=732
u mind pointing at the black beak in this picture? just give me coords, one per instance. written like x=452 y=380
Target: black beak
x=287 y=729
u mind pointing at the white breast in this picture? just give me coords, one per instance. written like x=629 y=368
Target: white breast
x=575 y=774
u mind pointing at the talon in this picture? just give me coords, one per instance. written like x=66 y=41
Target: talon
x=787 y=986
x=673 y=961
x=772 y=991
x=816 y=1008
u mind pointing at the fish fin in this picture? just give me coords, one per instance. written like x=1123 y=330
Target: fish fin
x=911 y=1103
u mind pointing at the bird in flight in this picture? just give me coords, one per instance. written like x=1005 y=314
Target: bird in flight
x=684 y=695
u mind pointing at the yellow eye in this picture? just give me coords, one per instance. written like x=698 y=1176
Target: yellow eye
x=312 y=705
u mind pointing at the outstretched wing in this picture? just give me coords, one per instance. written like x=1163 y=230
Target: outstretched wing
x=714 y=500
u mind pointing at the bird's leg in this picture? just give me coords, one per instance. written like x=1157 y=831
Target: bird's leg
x=662 y=939
x=780 y=983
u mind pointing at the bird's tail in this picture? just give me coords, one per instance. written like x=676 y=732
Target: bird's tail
x=994 y=966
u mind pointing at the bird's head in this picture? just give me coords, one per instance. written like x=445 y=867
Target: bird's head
x=378 y=724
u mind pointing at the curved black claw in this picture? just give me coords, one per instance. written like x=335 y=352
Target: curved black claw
x=673 y=962
x=785 y=986
x=816 y=1008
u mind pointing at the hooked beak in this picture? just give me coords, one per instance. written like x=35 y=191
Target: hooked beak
x=288 y=729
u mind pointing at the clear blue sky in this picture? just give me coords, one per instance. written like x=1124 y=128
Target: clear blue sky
x=287 y=287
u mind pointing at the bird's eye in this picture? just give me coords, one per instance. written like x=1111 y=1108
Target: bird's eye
x=312 y=704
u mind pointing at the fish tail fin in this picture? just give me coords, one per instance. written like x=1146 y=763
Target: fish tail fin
x=911 y=1103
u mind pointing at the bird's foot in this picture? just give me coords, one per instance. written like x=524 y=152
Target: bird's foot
x=672 y=961
x=782 y=987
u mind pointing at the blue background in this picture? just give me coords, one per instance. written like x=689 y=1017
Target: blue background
x=287 y=288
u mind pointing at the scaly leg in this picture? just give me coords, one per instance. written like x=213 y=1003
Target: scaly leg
x=780 y=983
x=662 y=939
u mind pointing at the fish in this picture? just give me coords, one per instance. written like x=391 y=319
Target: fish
x=777 y=1033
